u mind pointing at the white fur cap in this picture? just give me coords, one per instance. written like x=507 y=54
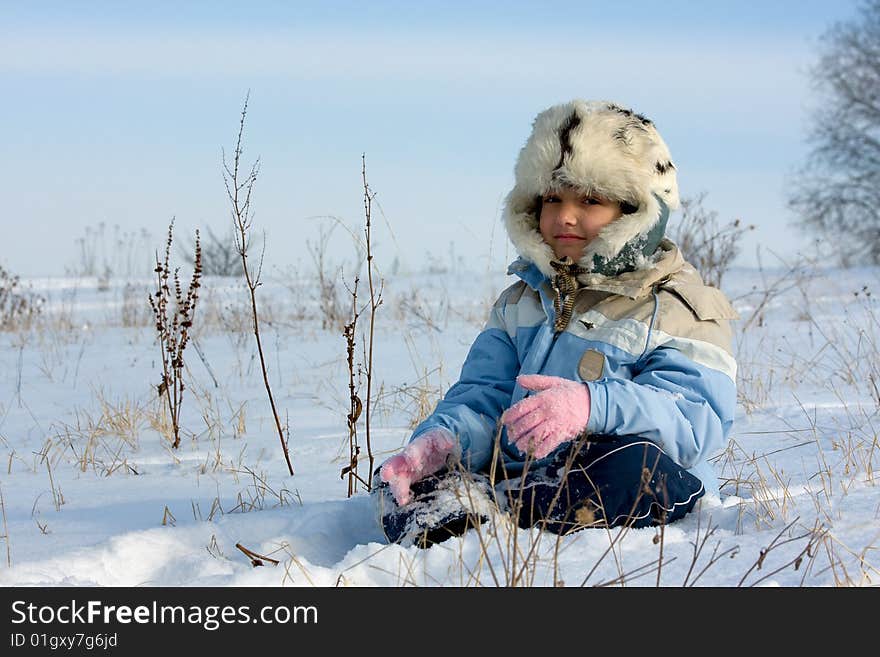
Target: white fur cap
x=596 y=147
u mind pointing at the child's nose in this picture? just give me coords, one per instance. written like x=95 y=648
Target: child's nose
x=568 y=213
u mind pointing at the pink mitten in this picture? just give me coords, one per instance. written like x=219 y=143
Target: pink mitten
x=423 y=456
x=542 y=422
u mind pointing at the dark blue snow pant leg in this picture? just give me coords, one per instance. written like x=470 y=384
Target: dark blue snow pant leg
x=607 y=482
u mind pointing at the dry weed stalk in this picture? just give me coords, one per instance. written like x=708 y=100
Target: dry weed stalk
x=261 y=488
x=700 y=543
x=795 y=276
x=45 y=457
x=814 y=536
x=173 y=326
x=375 y=302
x=214 y=548
x=5 y=530
x=710 y=247
x=330 y=307
x=410 y=305
x=294 y=560
x=838 y=567
x=17 y=309
x=204 y=360
x=43 y=527
x=168 y=518
x=133 y=313
x=416 y=400
x=215 y=507
x=356 y=405
x=239 y=190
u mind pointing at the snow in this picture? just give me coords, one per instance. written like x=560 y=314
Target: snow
x=94 y=495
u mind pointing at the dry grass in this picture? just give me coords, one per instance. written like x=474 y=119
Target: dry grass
x=102 y=441
x=797 y=509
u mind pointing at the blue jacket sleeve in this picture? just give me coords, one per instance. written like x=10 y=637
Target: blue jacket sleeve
x=472 y=407
x=685 y=407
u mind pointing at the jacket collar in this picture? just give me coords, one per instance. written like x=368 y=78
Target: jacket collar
x=633 y=284
x=528 y=271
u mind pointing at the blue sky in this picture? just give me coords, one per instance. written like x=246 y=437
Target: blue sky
x=117 y=113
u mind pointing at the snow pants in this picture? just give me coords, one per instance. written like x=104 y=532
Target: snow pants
x=608 y=481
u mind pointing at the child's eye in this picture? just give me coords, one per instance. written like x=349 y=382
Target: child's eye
x=551 y=199
x=589 y=200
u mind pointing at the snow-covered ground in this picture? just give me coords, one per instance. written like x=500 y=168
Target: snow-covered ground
x=93 y=493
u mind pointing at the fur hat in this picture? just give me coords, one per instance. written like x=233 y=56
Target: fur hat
x=595 y=147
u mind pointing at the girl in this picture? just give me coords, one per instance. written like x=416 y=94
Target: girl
x=604 y=377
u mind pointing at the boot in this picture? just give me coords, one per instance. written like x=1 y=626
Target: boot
x=444 y=505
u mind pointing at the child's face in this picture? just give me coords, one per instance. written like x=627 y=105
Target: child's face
x=570 y=220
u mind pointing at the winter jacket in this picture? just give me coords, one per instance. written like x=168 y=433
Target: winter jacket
x=653 y=345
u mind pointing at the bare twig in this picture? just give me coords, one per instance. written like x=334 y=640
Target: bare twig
x=205 y=361
x=375 y=302
x=5 y=530
x=775 y=543
x=699 y=544
x=239 y=189
x=256 y=559
x=635 y=573
x=659 y=538
x=814 y=536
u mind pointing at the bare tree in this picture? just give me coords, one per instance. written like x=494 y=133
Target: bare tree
x=837 y=192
